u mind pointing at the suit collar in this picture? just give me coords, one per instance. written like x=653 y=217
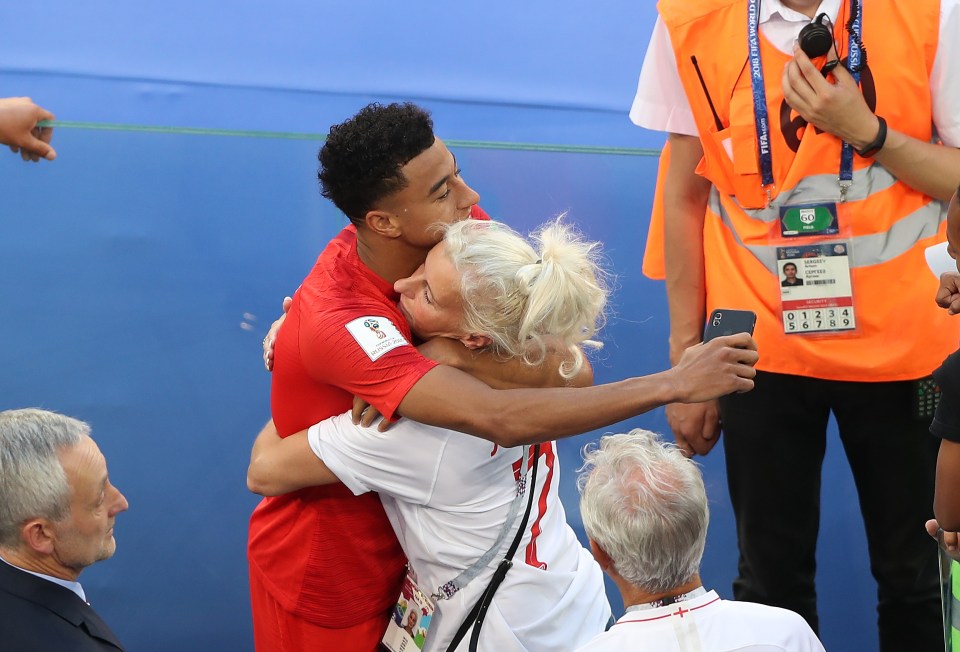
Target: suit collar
x=72 y=585
x=57 y=599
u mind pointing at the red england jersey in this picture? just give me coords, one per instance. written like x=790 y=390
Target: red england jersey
x=326 y=555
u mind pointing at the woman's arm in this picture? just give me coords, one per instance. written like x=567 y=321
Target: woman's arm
x=280 y=466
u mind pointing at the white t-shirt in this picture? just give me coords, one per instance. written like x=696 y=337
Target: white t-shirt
x=708 y=624
x=447 y=495
x=661 y=104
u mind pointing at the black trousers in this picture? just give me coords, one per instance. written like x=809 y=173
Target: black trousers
x=774 y=441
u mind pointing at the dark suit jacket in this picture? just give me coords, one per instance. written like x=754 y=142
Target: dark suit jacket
x=37 y=615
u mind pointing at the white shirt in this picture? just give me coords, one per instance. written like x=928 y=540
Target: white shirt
x=447 y=495
x=708 y=624
x=661 y=104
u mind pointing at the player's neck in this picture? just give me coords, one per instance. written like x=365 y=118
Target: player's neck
x=389 y=258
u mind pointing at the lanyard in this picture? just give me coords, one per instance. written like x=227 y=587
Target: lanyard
x=854 y=55
x=761 y=118
x=452 y=587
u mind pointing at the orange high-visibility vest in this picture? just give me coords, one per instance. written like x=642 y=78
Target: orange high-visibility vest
x=653 y=264
x=901 y=333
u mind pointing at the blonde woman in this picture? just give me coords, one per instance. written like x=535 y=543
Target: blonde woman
x=453 y=498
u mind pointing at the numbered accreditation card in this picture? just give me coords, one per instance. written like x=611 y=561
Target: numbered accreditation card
x=412 y=616
x=815 y=290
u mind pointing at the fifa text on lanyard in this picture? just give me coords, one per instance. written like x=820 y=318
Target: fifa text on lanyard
x=761 y=119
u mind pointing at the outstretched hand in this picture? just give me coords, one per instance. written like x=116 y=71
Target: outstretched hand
x=19 y=118
x=716 y=368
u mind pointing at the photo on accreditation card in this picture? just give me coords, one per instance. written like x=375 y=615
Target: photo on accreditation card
x=815 y=290
x=407 y=630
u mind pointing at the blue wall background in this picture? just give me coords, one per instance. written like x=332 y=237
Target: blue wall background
x=141 y=270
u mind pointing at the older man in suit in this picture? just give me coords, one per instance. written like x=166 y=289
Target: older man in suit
x=57 y=512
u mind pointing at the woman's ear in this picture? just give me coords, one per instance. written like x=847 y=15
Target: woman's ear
x=475 y=341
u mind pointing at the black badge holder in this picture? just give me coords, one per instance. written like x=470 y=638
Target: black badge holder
x=479 y=610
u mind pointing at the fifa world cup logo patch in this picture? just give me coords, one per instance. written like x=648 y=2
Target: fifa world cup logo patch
x=376 y=335
x=374 y=326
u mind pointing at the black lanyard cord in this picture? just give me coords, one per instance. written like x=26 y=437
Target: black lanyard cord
x=479 y=611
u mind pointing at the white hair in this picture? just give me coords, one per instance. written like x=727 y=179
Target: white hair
x=33 y=483
x=645 y=505
x=529 y=296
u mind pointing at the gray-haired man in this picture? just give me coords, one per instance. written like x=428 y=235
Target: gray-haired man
x=644 y=508
x=57 y=511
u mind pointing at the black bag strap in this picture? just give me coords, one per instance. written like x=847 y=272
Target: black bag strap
x=479 y=610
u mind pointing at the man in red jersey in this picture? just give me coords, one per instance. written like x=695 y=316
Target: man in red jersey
x=325 y=567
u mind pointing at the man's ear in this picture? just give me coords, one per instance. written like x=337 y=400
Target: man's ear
x=383 y=223
x=475 y=341
x=38 y=535
x=603 y=559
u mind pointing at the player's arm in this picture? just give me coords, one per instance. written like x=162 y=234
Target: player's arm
x=450 y=398
x=840 y=109
x=279 y=466
x=505 y=374
x=489 y=369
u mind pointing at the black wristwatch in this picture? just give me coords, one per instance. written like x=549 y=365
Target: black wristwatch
x=870 y=149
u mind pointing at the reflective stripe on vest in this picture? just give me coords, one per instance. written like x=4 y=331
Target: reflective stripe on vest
x=865 y=250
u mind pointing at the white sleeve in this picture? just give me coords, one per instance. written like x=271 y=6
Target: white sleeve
x=945 y=75
x=661 y=104
x=402 y=462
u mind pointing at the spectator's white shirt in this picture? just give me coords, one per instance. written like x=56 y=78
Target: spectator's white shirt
x=447 y=495
x=708 y=624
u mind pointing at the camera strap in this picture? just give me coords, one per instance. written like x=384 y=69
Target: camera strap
x=479 y=611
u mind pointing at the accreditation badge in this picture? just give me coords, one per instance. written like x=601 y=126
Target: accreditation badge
x=808 y=219
x=816 y=293
x=407 y=630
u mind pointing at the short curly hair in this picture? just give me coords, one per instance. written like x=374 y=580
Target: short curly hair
x=361 y=160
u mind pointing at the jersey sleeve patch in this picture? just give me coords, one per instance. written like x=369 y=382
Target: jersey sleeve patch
x=376 y=335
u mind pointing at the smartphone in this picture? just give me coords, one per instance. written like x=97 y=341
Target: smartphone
x=727 y=322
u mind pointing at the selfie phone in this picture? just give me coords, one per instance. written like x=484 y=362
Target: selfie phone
x=727 y=322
